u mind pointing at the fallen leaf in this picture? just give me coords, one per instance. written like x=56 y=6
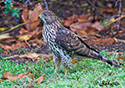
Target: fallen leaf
x=5 y=36
x=70 y=20
x=83 y=17
x=6 y=75
x=75 y=27
x=36 y=40
x=33 y=56
x=32 y=15
x=120 y=56
x=11 y=77
x=13 y=46
x=40 y=79
x=100 y=41
x=82 y=20
x=36 y=32
x=74 y=60
x=67 y=22
x=98 y=26
x=25 y=37
x=23 y=31
x=6 y=47
x=79 y=25
x=10 y=40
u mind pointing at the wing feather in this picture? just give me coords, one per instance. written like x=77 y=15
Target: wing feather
x=72 y=42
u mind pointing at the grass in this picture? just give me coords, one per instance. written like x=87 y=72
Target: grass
x=84 y=74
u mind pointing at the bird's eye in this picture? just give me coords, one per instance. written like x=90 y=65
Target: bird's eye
x=45 y=15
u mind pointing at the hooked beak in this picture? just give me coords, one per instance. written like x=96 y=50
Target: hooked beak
x=38 y=17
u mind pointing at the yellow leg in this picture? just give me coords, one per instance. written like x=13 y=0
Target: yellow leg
x=65 y=71
x=55 y=70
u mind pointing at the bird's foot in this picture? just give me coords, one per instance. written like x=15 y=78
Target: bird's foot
x=65 y=71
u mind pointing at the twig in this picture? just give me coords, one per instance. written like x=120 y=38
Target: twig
x=119 y=40
x=95 y=7
x=116 y=20
x=20 y=25
x=27 y=1
x=46 y=4
x=120 y=6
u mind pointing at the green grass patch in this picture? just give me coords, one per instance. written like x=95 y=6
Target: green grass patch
x=83 y=74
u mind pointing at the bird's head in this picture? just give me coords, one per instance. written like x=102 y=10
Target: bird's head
x=48 y=16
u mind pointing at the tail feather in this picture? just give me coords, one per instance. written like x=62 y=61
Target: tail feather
x=96 y=55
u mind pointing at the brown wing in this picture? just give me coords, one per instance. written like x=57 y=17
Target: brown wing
x=72 y=43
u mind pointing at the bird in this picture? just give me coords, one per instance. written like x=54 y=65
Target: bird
x=65 y=44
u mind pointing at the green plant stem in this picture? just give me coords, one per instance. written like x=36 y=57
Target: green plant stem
x=20 y=25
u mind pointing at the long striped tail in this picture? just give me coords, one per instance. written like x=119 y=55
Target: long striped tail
x=96 y=55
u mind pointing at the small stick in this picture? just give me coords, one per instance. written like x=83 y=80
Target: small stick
x=20 y=25
x=46 y=4
x=116 y=20
x=120 y=6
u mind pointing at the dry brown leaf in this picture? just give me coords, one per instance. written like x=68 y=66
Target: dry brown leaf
x=74 y=60
x=11 y=77
x=40 y=79
x=23 y=31
x=25 y=18
x=33 y=15
x=67 y=22
x=6 y=47
x=101 y=42
x=36 y=32
x=13 y=46
x=75 y=27
x=33 y=56
x=5 y=36
x=82 y=20
x=79 y=25
x=10 y=40
x=36 y=40
x=25 y=37
x=83 y=17
x=46 y=56
x=30 y=15
x=6 y=75
x=70 y=20
x=98 y=26
x=120 y=56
